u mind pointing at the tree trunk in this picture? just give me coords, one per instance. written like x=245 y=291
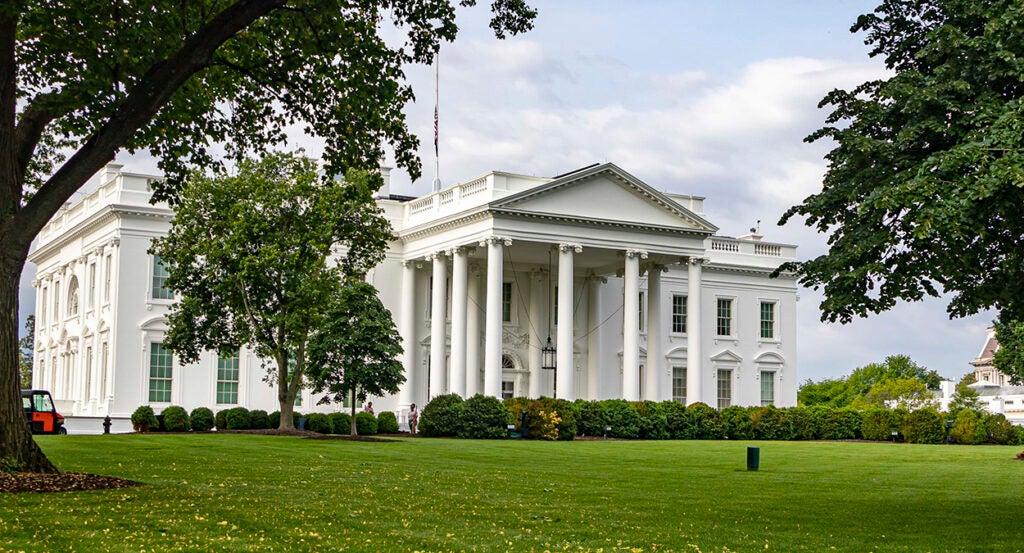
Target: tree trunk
x=16 y=441
x=354 y=431
x=285 y=399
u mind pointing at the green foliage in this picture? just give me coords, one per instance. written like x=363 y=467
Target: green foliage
x=319 y=423
x=855 y=389
x=901 y=393
x=259 y=238
x=840 y=424
x=878 y=424
x=259 y=419
x=26 y=353
x=653 y=420
x=680 y=426
x=707 y=421
x=771 y=423
x=387 y=423
x=1000 y=431
x=593 y=417
x=144 y=420
x=341 y=423
x=274 y=419
x=175 y=419
x=1009 y=358
x=737 y=421
x=201 y=419
x=221 y=419
x=965 y=397
x=549 y=418
x=516 y=406
x=924 y=426
x=484 y=417
x=355 y=349
x=806 y=422
x=237 y=418
x=924 y=188
x=442 y=416
x=366 y=424
x=623 y=417
x=969 y=428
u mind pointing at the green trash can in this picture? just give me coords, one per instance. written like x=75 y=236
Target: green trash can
x=753 y=458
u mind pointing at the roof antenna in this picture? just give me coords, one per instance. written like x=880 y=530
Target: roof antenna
x=437 y=163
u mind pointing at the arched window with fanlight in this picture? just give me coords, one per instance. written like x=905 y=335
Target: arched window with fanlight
x=73 y=297
x=508 y=378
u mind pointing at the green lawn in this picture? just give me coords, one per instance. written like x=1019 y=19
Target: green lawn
x=263 y=493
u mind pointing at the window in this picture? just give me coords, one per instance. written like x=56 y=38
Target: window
x=91 y=298
x=508 y=389
x=724 y=317
x=678 y=314
x=767 y=388
x=724 y=388
x=106 y=278
x=160 y=289
x=227 y=379
x=73 y=297
x=160 y=362
x=767 y=320
x=640 y=312
x=679 y=384
x=506 y=302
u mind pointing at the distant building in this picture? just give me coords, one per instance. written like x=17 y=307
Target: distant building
x=996 y=393
x=640 y=296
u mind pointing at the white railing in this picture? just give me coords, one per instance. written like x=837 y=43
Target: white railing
x=724 y=245
x=421 y=205
x=473 y=187
x=447 y=196
x=767 y=249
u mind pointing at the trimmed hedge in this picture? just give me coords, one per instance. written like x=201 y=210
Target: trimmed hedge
x=237 y=418
x=341 y=423
x=924 y=426
x=175 y=419
x=201 y=419
x=484 y=417
x=144 y=420
x=260 y=420
x=366 y=424
x=442 y=416
x=387 y=423
x=319 y=423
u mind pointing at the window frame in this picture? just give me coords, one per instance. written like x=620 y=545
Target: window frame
x=724 y=402
x=159 y=378
x=155 y=264
x=682 y=316
x=775 y=327
x=770 y=379
x=683 y=387
x=731 y=318
x=222 y=383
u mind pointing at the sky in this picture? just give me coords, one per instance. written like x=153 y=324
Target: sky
x=705 y=98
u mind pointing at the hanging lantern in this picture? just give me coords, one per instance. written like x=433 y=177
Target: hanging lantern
x=548 y=358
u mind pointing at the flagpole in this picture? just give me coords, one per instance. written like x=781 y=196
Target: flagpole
x=437 y=100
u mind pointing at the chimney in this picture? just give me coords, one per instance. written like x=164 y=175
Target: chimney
x=385 y=188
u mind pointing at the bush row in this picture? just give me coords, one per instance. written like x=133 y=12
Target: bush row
x=202 y=419
x=557 y=419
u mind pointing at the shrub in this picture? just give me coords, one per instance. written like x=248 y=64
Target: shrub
x=568 y=412
x=680 y=427
x=366 y=424
x=442 y=416
x=237 y=418
x=258 y=419
x=806 y=422
x=175 y=419
x=771 y=423
x=295 y=418
x=484 y=417
x=878 y=424
x=516 y=406
x=653 y=422
x=143 y=419
x=319 y=423
x=387 y=423
x=840 y=424
x=341 y=423
x=274 y=419
x=738 y=424
x=999 y=430
x=706 y=421
x=623 y=417
x=544 y=412
x=924 y=426
x=201 y=419
x=221 y=419
x=593 y=417
x=969 y=428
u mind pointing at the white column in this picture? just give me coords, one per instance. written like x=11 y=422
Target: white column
x=492 y=326
x=631 y=326
x=460 y=291
x=594 y=334
x=437 y=325
x=473 y=333
x=694 y=366
x=407 y=330
x=538 y=331
x=565 y=384
x=654 y=390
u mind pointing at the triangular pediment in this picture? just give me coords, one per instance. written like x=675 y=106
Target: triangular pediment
x=726 y=356
x=604 y=194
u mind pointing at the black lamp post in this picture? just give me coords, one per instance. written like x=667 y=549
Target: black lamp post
x=549 y=361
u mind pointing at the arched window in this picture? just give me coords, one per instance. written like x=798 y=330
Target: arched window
x=507 y=362
x=73 y=296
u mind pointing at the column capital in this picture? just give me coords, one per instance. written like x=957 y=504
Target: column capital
x=438 y=255
x=566 y=246
x=596 y=278
x=501 y=240
x=114 y=242
x=692 y=260
x=642 y=254
x=35 y=283
x=659 y=267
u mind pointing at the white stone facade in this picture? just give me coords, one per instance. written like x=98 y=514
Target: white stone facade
x=608 y=267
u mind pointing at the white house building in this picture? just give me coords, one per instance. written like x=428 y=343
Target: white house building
x=640 y=296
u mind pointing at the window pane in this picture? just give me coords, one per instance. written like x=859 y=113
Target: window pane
x=724 y=388
x=679 y=384
x=227 y=379
x=767 y=320
x=767 y=388
x=160 y=289
x=506 y=302
x=679 y=314
x=724 y=317
x=640 y=312
x=160 y=363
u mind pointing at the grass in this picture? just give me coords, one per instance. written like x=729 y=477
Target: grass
x=264 y=493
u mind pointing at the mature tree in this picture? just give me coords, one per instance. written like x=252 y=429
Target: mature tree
x=965 y=397
x=854 y=389
x=26 y=352
x=354 y=352
x=249 y=257
x=904 y=393
x=925 y=185
x=1009 y=357
x=81 y=80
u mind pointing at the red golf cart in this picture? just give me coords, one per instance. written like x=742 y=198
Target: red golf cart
x=40 y=413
